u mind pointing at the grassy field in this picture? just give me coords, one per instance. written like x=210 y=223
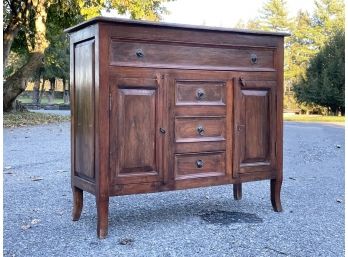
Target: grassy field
x=21 y=119
x=44 y=100
x=314 y=118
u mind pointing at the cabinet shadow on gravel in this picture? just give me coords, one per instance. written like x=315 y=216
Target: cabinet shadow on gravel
x=208 y=212
x=220 y=217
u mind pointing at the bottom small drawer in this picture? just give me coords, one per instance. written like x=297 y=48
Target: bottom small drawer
x=199 y=165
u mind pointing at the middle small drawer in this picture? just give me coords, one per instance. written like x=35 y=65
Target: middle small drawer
x=199 y=128
x=196 y=134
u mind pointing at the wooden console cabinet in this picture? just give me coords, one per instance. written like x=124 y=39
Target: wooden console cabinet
x=158 y=107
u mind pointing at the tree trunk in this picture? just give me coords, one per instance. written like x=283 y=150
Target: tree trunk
x=66 y=91
x=16 y=84
x=42 y=91
x=51 y=95
x=36 y=91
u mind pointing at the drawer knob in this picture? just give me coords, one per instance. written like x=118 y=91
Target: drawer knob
x=200 y=130
x=199 y=163
x=139 y=53
x=162 y=130
x=200 y=94
x=253 y=58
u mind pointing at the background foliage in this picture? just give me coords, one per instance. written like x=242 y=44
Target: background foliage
x=305 y=54
x=314 y=54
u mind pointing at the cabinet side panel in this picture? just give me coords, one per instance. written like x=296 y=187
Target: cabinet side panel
x=84 y=109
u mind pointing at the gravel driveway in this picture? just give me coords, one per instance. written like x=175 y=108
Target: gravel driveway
x=196 y=222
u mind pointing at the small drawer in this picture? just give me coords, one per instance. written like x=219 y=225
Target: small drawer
x=199 y=165
x=196 y=129
x=200 y=92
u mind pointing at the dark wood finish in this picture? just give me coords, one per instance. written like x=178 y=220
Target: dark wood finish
x=155 y=55
x=202 y=146
x=159 y=107
x=200 y=92
x=277 y=182
x=77 y=202
x=276 y=185
x=84 y=106
x=189 y=166
x=255 y=126
x=198 y=129
x=157 y=25
x=237 y=191
x=102 y=138
x=136 y=108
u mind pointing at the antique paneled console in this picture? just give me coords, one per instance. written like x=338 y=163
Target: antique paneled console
x=158 y=107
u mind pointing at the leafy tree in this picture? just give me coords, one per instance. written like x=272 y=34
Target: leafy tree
x=35 y=16
x=137 y=9
x=308 y=36
x=274 y=16
x=28 y=25
x=56 y=64
x=324 y=81
x=299 y=52
x=328 y=19
x=15 y=16
x=301 y=48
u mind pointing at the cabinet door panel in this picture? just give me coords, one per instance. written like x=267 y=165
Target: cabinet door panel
x=137 y=122
x=134 y=123
x=255 y=122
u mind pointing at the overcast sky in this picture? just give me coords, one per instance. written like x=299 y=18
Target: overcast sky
x=221 y=13
x=225 y=13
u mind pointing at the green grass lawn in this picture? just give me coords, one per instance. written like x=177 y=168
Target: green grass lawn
x=21 y=119
x=314 y=118
x=44 y=100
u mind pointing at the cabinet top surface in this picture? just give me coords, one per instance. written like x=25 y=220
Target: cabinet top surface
x=169 y=25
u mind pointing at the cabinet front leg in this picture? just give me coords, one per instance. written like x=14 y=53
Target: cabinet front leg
x=77 y=203
x=237 y=191
x=102 y=214
x=275 y=194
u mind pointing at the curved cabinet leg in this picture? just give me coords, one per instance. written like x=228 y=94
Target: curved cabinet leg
x=77 y=203
x=237 y=191
x=275 y=195
x=102 y=213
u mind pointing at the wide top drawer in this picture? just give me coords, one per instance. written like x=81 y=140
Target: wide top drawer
x=190 y=56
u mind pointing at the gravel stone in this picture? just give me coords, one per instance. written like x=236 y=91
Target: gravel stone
x=37 y=214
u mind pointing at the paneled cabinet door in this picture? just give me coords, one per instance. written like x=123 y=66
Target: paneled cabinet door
x=255 y=126
x=136 y=136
